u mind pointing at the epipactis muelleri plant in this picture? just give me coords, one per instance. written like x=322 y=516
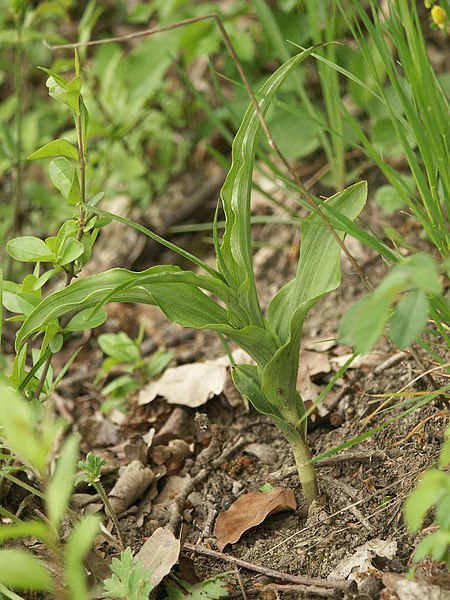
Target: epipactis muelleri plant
x=224 y=299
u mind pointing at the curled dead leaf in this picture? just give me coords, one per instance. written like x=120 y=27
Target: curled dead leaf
x=132 y=483
x=250 y=510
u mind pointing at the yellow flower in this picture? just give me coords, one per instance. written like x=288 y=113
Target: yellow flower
x=438 y=15
x=427 y=3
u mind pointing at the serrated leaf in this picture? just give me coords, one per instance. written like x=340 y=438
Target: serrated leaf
x=58 y=147
x=130 y=579
x=208 y=589
x=29 y=249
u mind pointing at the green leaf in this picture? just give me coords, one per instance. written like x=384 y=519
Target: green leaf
x=87 y=319
x=428 y=492
x=74 y=194
x=21 y=570
x=422 y=272
x=62 y=174
x=29 y=249
x=130 y=579
x=71 y=250
x=318 y=270
x=61 y=484
x=58 y=147
x=444 y=458
x=188 y=306
x=24 y=529
x=116 y=285
x=235 y=253
x=119 y=346
x=208 y=589
x=443 y=509
x=409 y=318
x=19 y=430
x=78 y=545
x=318 y=273
x=436 y=545
x=158 y=363
x=389 y=198
x=364 y=322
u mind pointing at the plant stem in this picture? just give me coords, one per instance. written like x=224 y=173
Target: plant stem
x=306 y=470
x=18 y=165
x=101 y=490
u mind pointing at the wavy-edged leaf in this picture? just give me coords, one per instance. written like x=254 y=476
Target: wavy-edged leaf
x=318 y=270
x=235 y=255
x=318 y=273
x=115 y=285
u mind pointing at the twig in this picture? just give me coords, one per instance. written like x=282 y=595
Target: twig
x=299 y=589
x=332 y=460
x=346 y=586
x=206 y=462
x=441 y=398
x=352 y=494
x=240 y=582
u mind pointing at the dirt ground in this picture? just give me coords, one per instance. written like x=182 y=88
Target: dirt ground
x=205 y=454
x=363 y=487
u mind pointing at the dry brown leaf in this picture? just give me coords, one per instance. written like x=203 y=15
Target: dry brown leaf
x=251 y=510
x=132 y=483
x=190 y=385
x=159 y=553
x=193 y=384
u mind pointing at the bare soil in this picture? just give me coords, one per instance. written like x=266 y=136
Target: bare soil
x=363 y=487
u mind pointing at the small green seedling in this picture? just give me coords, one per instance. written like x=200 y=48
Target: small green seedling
x=125 y=354
x=211 y=588
x=34 y=441
x=130 y=579
x=433 y=490
x=91 y=474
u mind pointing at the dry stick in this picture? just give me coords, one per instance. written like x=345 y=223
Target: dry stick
x=310 y=590
x=346 y=586
x=311 y=201
x=441 y=398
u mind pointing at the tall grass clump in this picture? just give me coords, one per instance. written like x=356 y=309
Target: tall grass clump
x=405 y=89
